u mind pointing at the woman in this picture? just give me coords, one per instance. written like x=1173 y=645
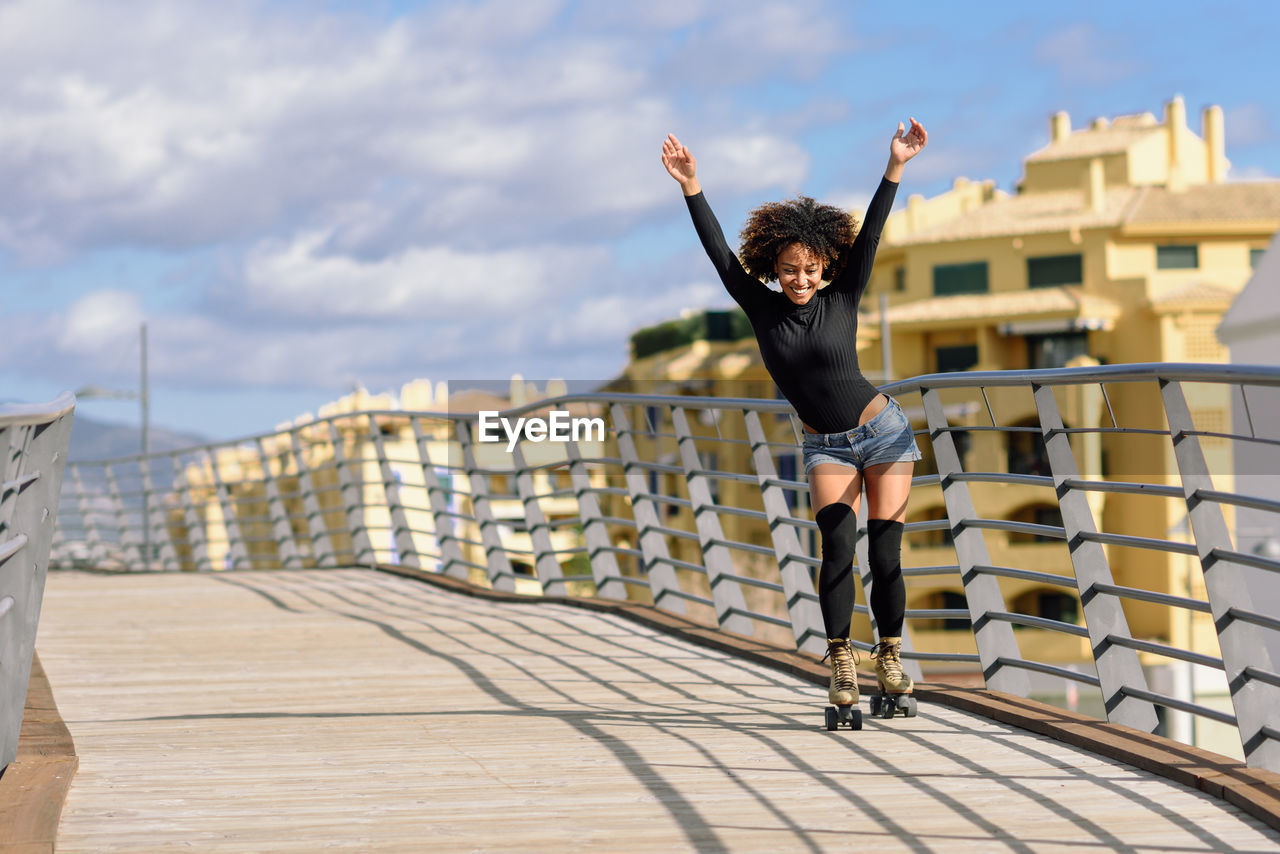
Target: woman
x=807 y=336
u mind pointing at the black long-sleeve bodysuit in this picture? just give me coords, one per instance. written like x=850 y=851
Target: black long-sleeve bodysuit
x=810 y=350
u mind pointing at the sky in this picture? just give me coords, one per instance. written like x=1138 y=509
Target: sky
x=299 y=198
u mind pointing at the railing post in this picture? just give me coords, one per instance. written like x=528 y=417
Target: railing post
x=995 y=639
x=1117 y=666
x=197 y=535
x=322 y=550
x=1243 y=645
x=92 y=539
x=595 y=533
x=352 y=501
x=726 y=593
x=451 y=560
x=406 y=549
x=501 y=575
x=650 y=540
x=230 y=518
x=157 y=523
x=127 y=543
x=545 y=564
x=797 y=587
x=281 y=528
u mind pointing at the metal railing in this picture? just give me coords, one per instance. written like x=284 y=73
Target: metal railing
x=33 y=453
x=1121 y=476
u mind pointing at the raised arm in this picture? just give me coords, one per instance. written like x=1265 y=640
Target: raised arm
x=906 y=144
x=748 y=291
x=903 y=147
x=681 y=165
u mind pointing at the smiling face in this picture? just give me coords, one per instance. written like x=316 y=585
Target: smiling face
x=799 y=272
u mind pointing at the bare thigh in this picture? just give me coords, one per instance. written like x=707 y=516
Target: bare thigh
x=888 y=488
x=829 y=483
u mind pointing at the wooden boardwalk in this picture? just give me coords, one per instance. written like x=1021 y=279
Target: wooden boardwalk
x=357 y=711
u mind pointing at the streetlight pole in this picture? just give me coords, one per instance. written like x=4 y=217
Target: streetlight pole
x=144 y=397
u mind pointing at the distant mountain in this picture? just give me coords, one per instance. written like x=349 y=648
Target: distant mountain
x=100 y=440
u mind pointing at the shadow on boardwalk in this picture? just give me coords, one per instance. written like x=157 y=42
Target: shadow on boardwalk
x=373 y=711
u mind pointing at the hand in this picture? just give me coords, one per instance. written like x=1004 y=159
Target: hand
x=905 y=146
x=680 y=163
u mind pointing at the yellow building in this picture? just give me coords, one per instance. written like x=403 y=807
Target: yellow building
x=1123 y=243
x=334 y=477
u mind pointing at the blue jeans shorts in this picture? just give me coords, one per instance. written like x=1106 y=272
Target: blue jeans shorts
x=887 y=438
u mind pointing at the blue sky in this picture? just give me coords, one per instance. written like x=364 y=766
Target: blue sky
x=299 y=197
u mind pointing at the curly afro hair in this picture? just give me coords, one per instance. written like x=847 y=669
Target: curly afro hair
x=825 y=230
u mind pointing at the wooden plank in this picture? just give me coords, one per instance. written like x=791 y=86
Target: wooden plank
x=354 y=710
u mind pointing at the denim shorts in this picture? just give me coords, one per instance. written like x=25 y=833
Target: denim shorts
x=887 y=438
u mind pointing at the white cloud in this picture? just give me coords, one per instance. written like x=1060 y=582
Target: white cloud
x=198 y=124
x=302 y=278
x=99 y=323
x=371 y=201
x=614 y=316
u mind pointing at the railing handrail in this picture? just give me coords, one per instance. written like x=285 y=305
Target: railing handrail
x=431 y=500
x=12 y=414
x=34 y=438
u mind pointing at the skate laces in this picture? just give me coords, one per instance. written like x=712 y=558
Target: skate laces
x=842 y=657
x=888 y=656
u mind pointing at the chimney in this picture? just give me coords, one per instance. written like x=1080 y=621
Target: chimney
x=1095 y=186
x=1175 y=123
x=516 y=393
x=1059 y=126
x=915 y=213
x=1214 y=145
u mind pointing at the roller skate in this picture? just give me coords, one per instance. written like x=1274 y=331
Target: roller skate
x=843 y=692
x=895 y=686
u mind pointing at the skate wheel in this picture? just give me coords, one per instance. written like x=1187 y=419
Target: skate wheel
x=874 y=702
x=910 y=709
x=888 y=708
x=833 y=719
x=855 y=719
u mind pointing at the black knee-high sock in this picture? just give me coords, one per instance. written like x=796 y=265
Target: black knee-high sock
x=838 y=525
x=888 y=592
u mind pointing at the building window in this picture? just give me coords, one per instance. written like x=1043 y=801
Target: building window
x=960 y=279
x=1255 y=257
x=1177 y=257
x=1027 y=452
x=1035 y=514
x=1053 y=270
x=713 y=482
x=931 y=539
x=1049 y=604
x=652 y=418
x=960 y=358
x=928 y=463
x=952 y=601
x=899 y=278
x=1054 y=351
